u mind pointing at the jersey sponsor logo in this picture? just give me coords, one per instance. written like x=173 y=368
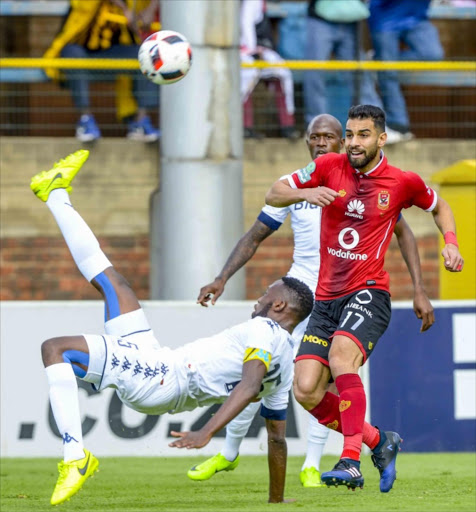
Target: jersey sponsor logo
x=346 y=255
x=345 y=234
x=315 y=339
x=383 y=201
x=304 y=175
x=359 y=307
x=364 y=297
x=344 y=405
x=348 y=239
x=304 y=205
x=342 y=193
x=355 y=208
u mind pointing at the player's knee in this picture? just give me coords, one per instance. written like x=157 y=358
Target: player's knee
x=51 y=351
x=304 y=393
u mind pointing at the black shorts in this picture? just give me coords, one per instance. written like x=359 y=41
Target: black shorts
x=363 y=316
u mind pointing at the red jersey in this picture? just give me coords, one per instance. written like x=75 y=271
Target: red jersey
x=357 y=227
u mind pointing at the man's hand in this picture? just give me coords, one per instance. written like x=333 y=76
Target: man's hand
x=423 y=310
x=216 y=289
x=190 y=440
x=453 y=260
x=321 y=196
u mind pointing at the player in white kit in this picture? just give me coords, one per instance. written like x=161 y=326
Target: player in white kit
x=250 y=361
x=324 y=135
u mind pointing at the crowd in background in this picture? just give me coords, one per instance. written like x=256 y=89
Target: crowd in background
x=398 y=29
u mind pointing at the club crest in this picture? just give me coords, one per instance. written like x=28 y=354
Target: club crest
x=383 y=201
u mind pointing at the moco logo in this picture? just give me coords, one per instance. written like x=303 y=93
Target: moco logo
x=348 y=239
x=315 y=339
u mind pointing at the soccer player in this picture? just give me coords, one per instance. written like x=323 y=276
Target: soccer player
x=250 y=361
x=361 y=196
x=324 y=135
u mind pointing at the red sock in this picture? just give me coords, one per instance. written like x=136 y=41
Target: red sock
x=352 y=413
x=371 y=435
x=327 y=412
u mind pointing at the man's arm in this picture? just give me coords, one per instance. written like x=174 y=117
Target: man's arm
x=282 y=194
x=444 y=219
x=241 y=253
x=408 y=247
x=277 y=457
x=248 y=388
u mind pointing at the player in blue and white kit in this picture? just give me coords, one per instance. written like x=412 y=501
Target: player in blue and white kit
x=250 y=361
x=324 y=135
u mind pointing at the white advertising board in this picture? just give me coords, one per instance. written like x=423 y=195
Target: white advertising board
x=111 y=429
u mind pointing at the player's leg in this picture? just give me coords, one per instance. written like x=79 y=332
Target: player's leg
x=228 y=458
x=317 y=434
x=123 y=313
x=65 y=358
x=355 y=338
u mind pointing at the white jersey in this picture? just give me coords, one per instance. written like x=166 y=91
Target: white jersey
x=156 y=380
x=209 y=368
x=306 y=226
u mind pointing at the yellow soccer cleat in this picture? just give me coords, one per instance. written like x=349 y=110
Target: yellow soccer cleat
x=60 y=176
x=215 y=464
x=72 y=476
x=311 y=477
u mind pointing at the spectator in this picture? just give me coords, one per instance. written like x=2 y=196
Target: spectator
x=391 y=23
x=108 y=29
x=256 y=44
x=332 y=30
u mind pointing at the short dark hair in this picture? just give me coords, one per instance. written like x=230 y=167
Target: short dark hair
x=369 y=112
x=302 y=295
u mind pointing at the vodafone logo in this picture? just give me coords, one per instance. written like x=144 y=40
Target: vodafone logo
x=348 y=239
x=355 y=208
x=351 y=233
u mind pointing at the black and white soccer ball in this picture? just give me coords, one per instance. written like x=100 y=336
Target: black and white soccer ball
x=165 y=57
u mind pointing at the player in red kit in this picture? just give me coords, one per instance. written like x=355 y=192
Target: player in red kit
x=362 y=196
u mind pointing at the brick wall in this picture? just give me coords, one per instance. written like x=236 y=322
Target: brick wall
x=41 y=268
x=113 y=196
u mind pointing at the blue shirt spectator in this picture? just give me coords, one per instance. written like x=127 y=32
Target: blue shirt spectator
x=401 y=30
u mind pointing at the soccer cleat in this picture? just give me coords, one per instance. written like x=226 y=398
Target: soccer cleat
x=385 y=460
x=311 y=477
x=344 y=473
x=72 y=476
x=215 y=464
x=60 y=176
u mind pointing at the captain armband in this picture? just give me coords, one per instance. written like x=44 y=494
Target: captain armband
x=258 y=353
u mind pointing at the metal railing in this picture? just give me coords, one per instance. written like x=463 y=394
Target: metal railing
x=440 y=95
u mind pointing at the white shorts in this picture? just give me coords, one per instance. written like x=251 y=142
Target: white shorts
x=142 y=372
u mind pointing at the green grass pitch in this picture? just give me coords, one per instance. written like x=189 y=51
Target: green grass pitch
x=440 y=482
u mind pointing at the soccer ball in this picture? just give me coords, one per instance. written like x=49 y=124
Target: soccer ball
x=165 y=57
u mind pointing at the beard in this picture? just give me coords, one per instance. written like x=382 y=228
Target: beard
x=362 y=162
x=263 y=312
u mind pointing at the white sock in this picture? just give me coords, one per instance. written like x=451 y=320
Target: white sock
x=316 y=440
x=236 y=430
x=65 y=405
x=79 y=238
